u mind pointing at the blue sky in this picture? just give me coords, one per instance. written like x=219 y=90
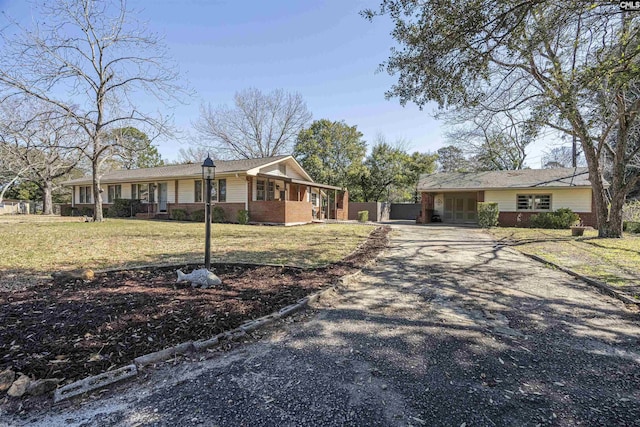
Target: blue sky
x=322 y=49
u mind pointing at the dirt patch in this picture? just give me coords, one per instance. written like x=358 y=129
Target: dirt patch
x=83 y=328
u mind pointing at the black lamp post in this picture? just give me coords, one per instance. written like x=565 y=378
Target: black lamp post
x=208 y=174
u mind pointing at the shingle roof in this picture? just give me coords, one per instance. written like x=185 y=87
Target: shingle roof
x=526 y=178
x=184 y=170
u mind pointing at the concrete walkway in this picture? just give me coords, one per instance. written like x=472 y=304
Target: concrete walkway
x=445 y=329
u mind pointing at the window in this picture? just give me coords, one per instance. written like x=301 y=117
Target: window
x=314 y=199
x=222 y=190
x=270 y=191
x=85 y=194
x=260 y=190
x=534 y=202
x=143 y=192
x=197 y=191
x=114 y=192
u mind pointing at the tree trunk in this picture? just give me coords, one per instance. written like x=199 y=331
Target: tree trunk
x=97 y=194
x=47 y=199
x=613 y=227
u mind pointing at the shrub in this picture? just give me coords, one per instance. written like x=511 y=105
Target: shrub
x=179 y=214
x=197 y=216
x=488 y=213
x=66 y=210
x=243 y=217
x=631 y=226
x=218 y=215
x=562 y=218
x=363 y=216
x=86 y=211
x=124 y=208
x=631 y=211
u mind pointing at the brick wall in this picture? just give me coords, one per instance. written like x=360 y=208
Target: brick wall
x=426 y=208
x=296 y=212
x=280 y=212
x=267 y=211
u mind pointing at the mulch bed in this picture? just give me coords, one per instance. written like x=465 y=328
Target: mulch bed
x=83 y=328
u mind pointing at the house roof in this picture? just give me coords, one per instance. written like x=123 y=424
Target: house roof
x=525 y=178
x=184 y=170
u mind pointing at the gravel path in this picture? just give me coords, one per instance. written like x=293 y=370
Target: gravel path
x=446 y=329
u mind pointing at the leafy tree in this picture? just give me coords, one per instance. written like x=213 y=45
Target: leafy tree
x=452 y=159
x=132 y=149
x=259 y=125
x=385 y=168
x=573 y=65
x=418 y=164
x=91 y=60
x=331 y=152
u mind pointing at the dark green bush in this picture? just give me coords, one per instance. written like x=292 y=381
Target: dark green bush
x=488 y=213
x=66 y=210
x=197 y=216
x=86 y=211
x=179 y=214
x=124 y=208
x=243 y=217
x=560 y=219
x=363 y=216
x=631 y=226
x=218 y=215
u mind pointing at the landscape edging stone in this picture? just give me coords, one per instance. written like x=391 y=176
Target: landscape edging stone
x=603 y=287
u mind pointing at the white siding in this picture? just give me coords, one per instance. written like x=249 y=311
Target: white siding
x=236 y=189
x=125 y=191
x=577 y=199
x=171 y=191
x=186 y=188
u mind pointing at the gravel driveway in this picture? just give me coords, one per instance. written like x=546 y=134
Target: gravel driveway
x=446 y=329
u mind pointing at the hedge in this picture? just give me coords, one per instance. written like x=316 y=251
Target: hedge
x=560 y=219
x=488 y=213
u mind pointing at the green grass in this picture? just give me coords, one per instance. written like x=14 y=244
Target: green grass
x=36 y=248
x=614 y=261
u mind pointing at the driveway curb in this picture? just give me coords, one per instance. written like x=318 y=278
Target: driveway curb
x=602 y=287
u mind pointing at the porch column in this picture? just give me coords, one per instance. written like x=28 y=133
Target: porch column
x=335 y=204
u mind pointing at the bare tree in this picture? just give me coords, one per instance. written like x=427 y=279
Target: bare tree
x=194 y=154
x=259 y=125
x=40 y=144
x=92 y=60
x=495 y=140
x=561 y=157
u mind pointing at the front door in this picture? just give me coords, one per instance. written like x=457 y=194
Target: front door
x=162 y=197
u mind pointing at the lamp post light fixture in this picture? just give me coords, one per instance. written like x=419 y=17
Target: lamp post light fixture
x=208 y=174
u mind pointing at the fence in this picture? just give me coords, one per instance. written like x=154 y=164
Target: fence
x=14 y=208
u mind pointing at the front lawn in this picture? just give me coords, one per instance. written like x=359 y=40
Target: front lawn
x=613 y=261
x=32 y=249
